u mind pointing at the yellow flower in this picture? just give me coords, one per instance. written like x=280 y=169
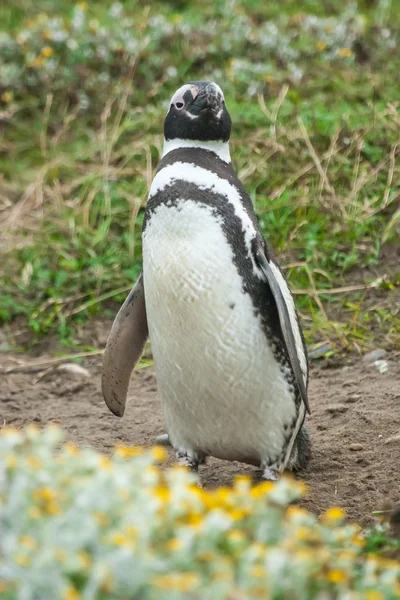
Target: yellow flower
x=320 y=45
x=9 y=431
x=257 y=548
x=347 y=555
x=194 y=520
x=259 y=591
x=303 y=533
x=47 y=51
x=43 y=493
x=34 y=512
x=337 y=576
x=174 y=545
x=32 y=430
x=120 y=539
x=53 y=508
x=206 y=556
x=81 y=6
x=21 y=559
x=358 y=540
x=124 y=494
x=3 y=586
x=131 y=531
x=11 y=461
x=71 y=594
x=374 y=595
x=105 y=463
x=260 y=490
x=237 y=514
x=158 y=453
x=334 y=514
x=301 y=488
x=37 y=63
x=85 y=560
x=183 y=582
x=345 y=52
x=101 y=518
x=154 y=471
x=221 y=496
x=60 y=555
x=33 y=462
x=236 y=536
x=107 y=584
x=128 y=452
x=71 y=449
x=295 y=511
x=241 y=479
x=28 y=542
x=162 y=493
x=257 y=571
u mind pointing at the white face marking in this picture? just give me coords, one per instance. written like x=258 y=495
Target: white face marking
x=205 y=179
x=178 y=101
x=221 y=149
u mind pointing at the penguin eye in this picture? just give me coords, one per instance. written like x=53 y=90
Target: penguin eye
x=179 y=105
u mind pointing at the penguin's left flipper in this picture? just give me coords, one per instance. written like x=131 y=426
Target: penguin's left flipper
x=124 y=348
x=271 y=272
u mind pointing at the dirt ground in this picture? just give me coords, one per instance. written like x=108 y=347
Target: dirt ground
x=355 y=425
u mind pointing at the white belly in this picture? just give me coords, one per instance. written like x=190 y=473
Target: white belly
x=222 y=391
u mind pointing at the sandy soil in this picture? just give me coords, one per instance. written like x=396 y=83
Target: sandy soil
x=355 y=425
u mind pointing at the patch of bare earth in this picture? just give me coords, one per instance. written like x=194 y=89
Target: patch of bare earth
x=355 y=426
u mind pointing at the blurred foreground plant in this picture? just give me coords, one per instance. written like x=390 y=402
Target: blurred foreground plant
x=77 y=524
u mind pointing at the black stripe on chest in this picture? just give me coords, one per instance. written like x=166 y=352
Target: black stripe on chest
x=208 y=160
x=179 y=191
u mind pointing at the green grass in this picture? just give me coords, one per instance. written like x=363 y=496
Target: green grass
x=316 y=141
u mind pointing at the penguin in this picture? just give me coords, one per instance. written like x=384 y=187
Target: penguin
x=229 y=354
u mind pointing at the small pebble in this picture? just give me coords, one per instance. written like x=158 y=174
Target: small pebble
x=356 y=447
x=393 y=438
x=374 y=355
x=75 y=369
x=353 y=398
x=382 y=366
x=337 y=408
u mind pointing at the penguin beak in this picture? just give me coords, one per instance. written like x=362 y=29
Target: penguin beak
x=208 y=99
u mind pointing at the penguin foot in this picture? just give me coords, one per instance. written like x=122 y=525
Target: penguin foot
x=163 y=440
x=185 y=460
x=270 y=474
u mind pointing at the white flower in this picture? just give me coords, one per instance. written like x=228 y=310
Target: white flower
x=72 y=44
x=296 y=73
x=116 y=10
x=78 y=19
x=172 y=71
x=59 y=36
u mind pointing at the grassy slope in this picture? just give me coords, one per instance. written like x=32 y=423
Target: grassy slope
x=315 y=140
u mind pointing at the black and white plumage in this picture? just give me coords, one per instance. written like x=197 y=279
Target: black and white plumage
x=229 y=355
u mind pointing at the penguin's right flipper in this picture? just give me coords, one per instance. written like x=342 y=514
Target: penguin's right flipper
x=124 y=348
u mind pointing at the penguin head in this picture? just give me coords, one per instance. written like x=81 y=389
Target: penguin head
x=197 y=112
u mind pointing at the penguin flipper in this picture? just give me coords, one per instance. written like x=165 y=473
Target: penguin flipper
x=124 y=348
x=284 y=318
